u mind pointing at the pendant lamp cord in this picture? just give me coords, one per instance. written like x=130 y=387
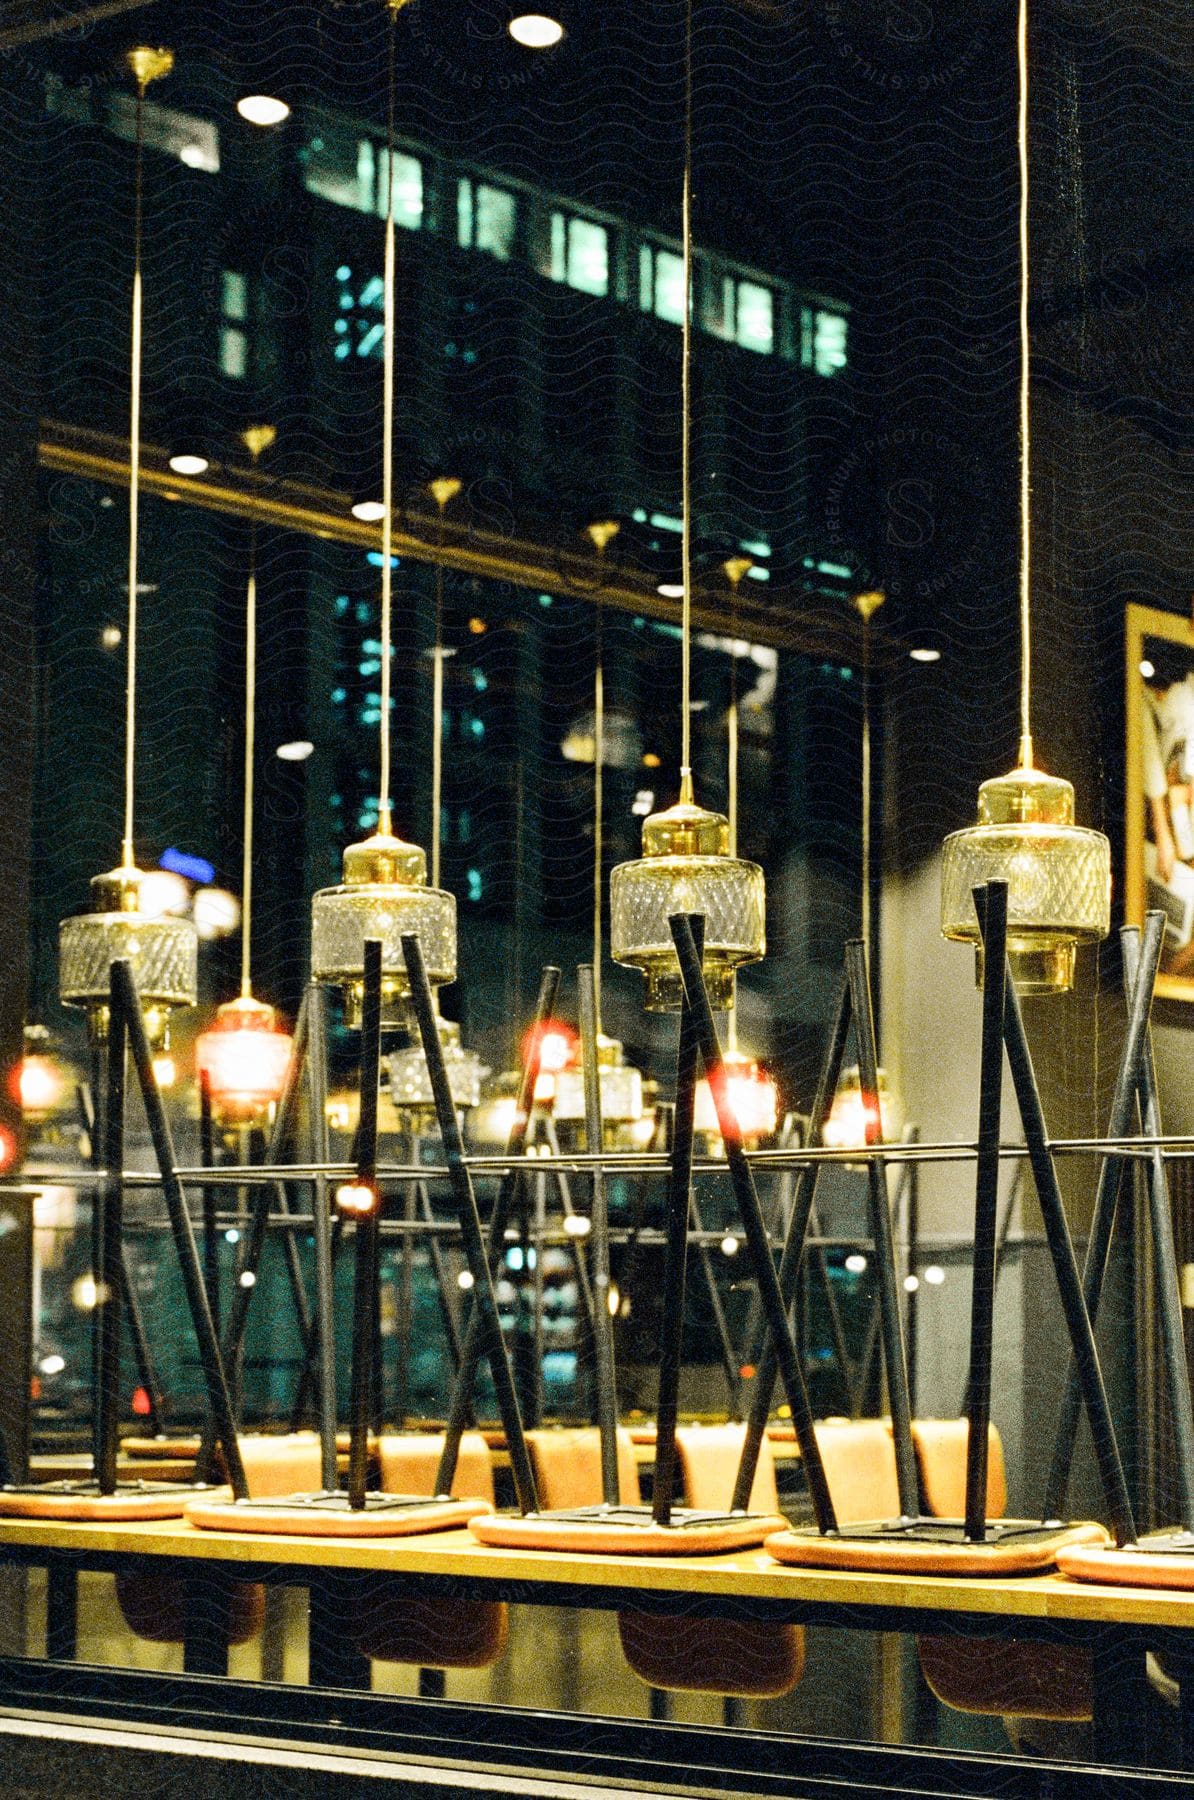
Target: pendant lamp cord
x=1025 y=528
x=246 y=926
x=130 y=725
x=257 y=438
x=686 y=433
x=384 y=818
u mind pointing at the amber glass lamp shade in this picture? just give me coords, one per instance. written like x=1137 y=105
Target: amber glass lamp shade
x=384 y=895
x=1058 y=877
x=686 y=867
x=752 y=1094
x=244 y=1057
x=162 y=952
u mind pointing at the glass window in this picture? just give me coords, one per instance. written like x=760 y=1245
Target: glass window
x=829 y=343
x=717 y=303
x=496 y=213
x=486 y=218
x=755 y=317
x=408 y=187
x=234 y=353
x=194 y=142
x=234 y=294
x=335 y=169
x=580 y=254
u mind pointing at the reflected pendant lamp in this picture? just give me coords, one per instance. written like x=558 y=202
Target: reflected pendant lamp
x=162 y=952
x=687 y=865
x=245 y=1057
x=385 y=892
x=1058 y=873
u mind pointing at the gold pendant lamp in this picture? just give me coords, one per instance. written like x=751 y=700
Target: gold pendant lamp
x=687 y=865
x=385 y=892
x=410 y=1078
x=246 y=1054
x=162 y=952
x=1058 y=873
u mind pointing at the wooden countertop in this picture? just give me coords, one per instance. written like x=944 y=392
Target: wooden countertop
x=743 y=1574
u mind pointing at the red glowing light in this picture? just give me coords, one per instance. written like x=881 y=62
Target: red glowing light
x=244 y=1057
x=752 y=1095
x=8 y=1146
x=141 y=1405
x=557 y=1044
x=36 y=1084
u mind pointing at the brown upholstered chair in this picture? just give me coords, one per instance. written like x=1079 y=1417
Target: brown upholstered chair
x=436 y=1633
x=1003 y=1678
x=154 y=1606
x=739 y=1658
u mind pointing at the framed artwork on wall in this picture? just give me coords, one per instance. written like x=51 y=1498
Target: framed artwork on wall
x=1159 y=775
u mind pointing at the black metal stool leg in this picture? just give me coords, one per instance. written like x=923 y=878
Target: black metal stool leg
x=508 y=1191
x=803 y=1204
x=603 y=1324
x=325 y=1320
x=751 y=1214
x=891 y=1323
x=218 y=1397
x=1065 y=1267
x=365 y=1247
x=1169 y=1303
x=485 y=1309
x=991 y=903
x=1111 y=1176
x=110 y=1291
x=679 y=1194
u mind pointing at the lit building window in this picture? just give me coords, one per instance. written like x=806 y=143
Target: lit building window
x=408 y=189
x=350 y=171
x=191 y=141
x=661 y=283
x=579 y=254
x=822 y=341
x=485 y=218
x=754 y=325
x=360 y=316
x=234 y=317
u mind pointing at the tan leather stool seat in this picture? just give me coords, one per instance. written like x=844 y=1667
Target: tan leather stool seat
x=1136 y=1565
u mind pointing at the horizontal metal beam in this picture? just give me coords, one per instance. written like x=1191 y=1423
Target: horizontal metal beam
x=31 y=21
x=788 y=621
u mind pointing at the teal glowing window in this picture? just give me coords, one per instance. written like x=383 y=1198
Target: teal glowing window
x=193 y=142
x=829 y=343
x=486 y=218
x=353 y=172
x=580 y=254
x=754 y=324
x=661 y=283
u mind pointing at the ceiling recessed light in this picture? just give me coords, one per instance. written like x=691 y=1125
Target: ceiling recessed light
x=671 y=590
x=923 y=654
x=1147 y=669
x=189 y=463
x=262 y=109
x=535 y=31
x=298 y=751
x=369 y=511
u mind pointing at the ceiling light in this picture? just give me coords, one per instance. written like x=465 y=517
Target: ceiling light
x=298 y=751
x=535 y=31
x=923 y=654
x=187 y=462
x=368 y=511
x=262 y=109
x=670 y=590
